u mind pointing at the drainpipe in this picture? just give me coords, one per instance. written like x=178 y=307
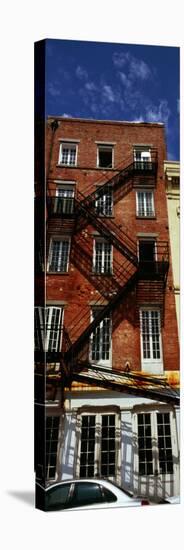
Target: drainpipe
x=54 y=125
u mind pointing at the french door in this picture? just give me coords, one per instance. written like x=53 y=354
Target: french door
x=98 y=446
x=156 y=462
x=101 y=342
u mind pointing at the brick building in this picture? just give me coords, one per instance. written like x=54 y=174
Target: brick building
x=109 y=332
x=172 y=183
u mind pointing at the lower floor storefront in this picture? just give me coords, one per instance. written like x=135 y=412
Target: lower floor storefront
x=130 y=440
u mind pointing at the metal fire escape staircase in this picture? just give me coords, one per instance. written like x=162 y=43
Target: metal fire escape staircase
x=121 y=281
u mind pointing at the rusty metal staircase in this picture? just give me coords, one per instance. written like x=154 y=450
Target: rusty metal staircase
x=107 y=228
x=124 y=278
x=76 y=347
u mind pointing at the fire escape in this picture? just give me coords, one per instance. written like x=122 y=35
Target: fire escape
x=131 y=274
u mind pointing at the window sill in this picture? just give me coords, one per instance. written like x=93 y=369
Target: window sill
x=66 y=165
x=102 y=274
x=105 y=168
x=85 y=167
x=152 y=367
x=57 y=273
x=105 y=216
x=145 y=217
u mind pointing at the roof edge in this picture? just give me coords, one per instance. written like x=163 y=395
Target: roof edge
x=98 y=121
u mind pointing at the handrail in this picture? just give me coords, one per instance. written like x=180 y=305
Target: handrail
x=128 y=243
x=104 y=311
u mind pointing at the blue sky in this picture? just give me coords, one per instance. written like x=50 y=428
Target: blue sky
x=115 y=82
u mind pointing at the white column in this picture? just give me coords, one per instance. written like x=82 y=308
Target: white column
x=126 y=450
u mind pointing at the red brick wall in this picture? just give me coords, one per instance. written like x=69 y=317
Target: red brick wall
x=76 y=288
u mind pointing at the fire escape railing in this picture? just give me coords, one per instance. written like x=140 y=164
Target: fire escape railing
x=83 y=207
x=130 y=167
x=119 y=282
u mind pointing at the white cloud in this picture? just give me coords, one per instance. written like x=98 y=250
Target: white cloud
x=90 y=86
x=81 y=73
x=108 y=93
x=135 y=68
x=139 y=69
x=53 y=90
x=160 y=113
x=119 y=59
x=66 y=115
x=139 y=119
x=125 y=80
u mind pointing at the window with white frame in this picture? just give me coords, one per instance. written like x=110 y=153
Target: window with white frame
x=98 y=445
x=52 y=430
x=100 y=343
x=48 y=328
x=105 y=156
x=59 y=255
x=142 y=158
x=102 y=257
x=151 y=345
x=154 y=438
x=68 y=154
x=104 y=204
x=64 y=200
x=145 y=204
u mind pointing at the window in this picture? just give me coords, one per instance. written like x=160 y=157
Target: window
x=102 y=257
x=98 y=445
x=59 y=255
x=100 y=343
x=145 y=204
x=147 y=250
x=105 y=156
x=151 y=348
x=58 y=497
x=108 y=495
x=86 y=493
x=142 y=158
x=48 y=328
x=104 y=204
x=164 y=443
x=145 y=444
x=64 y=200
x=155 y=454
x=68 y=154
x=52 y=428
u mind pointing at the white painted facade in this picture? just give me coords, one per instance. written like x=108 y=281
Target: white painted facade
x=172 y=179
x=126 y=410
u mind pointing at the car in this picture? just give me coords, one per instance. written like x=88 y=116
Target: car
x=172 y=500
x=84 y=493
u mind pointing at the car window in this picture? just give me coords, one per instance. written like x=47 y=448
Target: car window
x=86 y=493
x=108 y=495
x=58 y=497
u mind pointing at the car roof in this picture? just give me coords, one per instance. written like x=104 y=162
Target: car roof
x=76 y=480
x=85 y=480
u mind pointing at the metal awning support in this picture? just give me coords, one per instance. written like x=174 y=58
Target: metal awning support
x=137 y=384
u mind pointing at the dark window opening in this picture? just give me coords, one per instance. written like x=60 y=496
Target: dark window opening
x=147 y=251
x=105 y=157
